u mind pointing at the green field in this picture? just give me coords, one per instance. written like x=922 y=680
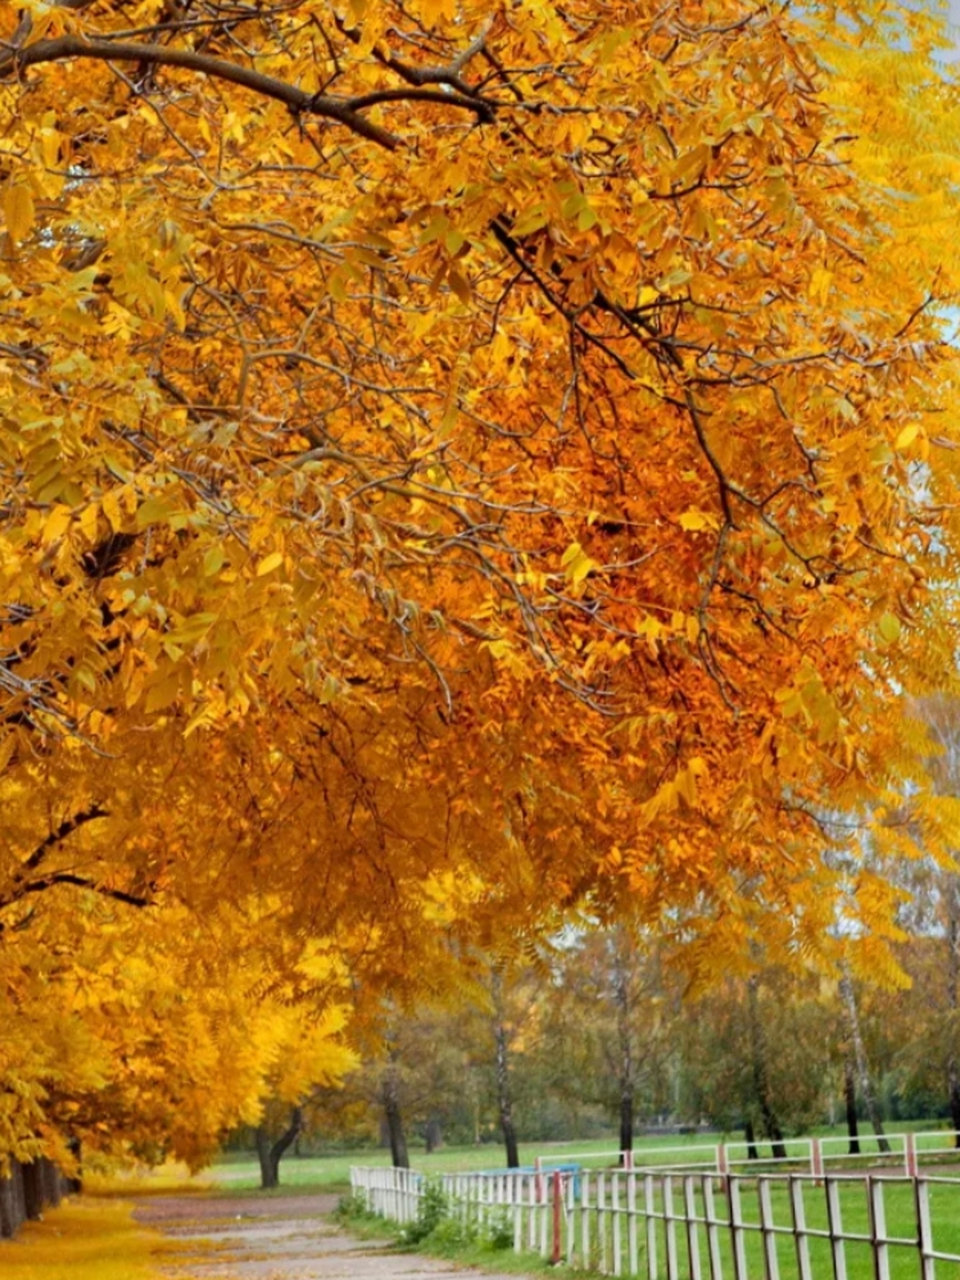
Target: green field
x=901 y=1221
x=240 y=1171
x=331 y=1173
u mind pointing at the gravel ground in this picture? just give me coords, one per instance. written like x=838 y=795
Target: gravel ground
x=274 y=1238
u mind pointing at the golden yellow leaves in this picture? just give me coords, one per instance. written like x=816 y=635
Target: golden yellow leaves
x=696 y=521
x=682 y=789
x=18 y=210
x=576 y=564
x=270 y=562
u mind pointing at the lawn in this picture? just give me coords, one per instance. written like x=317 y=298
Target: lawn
x=901 y=1222
x=240 y=1171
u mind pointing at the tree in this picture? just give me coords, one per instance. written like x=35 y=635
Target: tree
x=858 y=1060
x=756 y=1054
x=463 y=463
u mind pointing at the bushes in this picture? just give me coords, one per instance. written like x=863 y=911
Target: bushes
x=439 y=1227
x=352 y=1209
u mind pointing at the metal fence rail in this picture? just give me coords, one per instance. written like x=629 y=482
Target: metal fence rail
x=705 y=1226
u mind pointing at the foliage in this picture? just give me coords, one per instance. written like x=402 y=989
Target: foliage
x=352 y=1208
x=461 y=464
x=433 y=1211
x=95 y=1240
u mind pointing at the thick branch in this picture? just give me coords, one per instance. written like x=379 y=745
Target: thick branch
x=71 y=46
x=42 y=883
x=66 y=828
x=345 y=111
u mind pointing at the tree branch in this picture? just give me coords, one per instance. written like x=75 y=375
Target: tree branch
x=66 y=828
x=345 y=111
x=43 y=883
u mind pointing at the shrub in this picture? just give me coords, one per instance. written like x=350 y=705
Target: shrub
x=434 y=1208
x=353 y=1208
x=498 y=1232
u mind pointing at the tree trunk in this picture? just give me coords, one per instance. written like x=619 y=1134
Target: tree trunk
x=504 y=1099
x=11 y=1214
x=51 y=1183
x=627 y=1082
x=33 y=1190
x=390 y=1095
x=860 y=1058
x=270 y=1155
x=761 y=1082
x=433 y=1135
x=751 y=1140
x=75 y=1184
x=850 y=1098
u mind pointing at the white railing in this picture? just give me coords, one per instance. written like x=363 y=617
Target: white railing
x=687 y=1226
x=389 y=1193
x=908 y=1152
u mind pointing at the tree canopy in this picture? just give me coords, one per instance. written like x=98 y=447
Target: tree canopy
x=464 y=462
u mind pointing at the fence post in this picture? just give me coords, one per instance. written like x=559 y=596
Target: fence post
x=878 y=1229
x=798 y=1210
x=690 y=1213
x=601 y=1220
x=650 y=1208
x=633 y=1252
x=816 y=1158
x=670 y=1228
x=615 y=1222
x=835 y=1226
x=585 y=1259
x=736 y=1229
x=924 y=1231
x=910 y=1155
x=771 y=1262
x=557 y=1216
x=713 y=1233
x=723 y=1164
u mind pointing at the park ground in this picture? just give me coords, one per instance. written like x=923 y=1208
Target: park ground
x=220 y=1226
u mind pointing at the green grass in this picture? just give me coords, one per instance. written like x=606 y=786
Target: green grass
x=900 y=1221
x=240 y=1171
x=331 y=1173
x=599 y=1256
x=898 y=1203
x=326 y=1173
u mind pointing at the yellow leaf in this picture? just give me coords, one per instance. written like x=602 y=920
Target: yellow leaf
x=18 y=211
x=110 y=505
x=889 y=628
x=694 y=520
x=267 y=565
x=460 y=287
x=820 y=282
x=88 y=521
x=576 y=563
x=908 y=435
x=213 y=561
x=57 y=523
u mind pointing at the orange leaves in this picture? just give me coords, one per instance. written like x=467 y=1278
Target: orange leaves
x=555 y=481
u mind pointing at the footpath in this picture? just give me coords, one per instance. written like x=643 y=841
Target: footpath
x=275 y=1238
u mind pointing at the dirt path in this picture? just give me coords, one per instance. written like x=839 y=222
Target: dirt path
x=274 y=1238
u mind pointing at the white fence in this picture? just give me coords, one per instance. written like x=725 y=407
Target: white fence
x=691 y=1226
x=908 y=1152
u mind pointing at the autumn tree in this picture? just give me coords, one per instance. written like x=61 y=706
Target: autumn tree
x=462 y=462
